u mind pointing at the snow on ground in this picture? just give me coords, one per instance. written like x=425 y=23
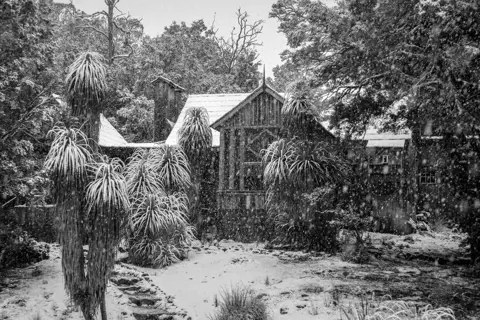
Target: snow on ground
x=39 y=290
x=295 y=285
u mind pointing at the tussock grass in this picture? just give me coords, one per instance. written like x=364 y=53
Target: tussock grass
x=395 y=310
x=238 y=303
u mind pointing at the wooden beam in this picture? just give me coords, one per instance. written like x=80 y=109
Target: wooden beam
x=242 y=159
x=231 y=163
x=221 y=165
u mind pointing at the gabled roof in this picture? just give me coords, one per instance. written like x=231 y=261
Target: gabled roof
x=216 y=105
x=264 y=87
x=169 y=82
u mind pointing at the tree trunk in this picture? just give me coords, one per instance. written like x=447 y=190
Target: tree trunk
x=111 y=47
x=103 y=307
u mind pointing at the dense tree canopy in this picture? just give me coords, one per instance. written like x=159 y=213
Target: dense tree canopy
x=422 y=57
x=27 y=108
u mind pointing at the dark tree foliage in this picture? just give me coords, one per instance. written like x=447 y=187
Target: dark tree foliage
x=27 y=108
x=406 y=63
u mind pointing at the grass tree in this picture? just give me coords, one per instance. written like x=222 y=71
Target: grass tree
x=159 y=230
x=86 y=88
x=92 y=202
x=294 y=167
x=90 y=190
x=195 y=138
x=172 y=167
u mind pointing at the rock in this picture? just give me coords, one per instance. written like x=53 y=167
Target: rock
x=151 y=314
x=300 y=305
x=262 y=295
x=19 y=302
x=284 y=310
x=133 y=288
x=125 y=280
x=304 y=295
x=144 y=299
x=408 y=239
x=408 y=270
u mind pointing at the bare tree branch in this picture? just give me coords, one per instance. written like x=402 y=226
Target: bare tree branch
x=239 y=42
x=128 y=55
x=93 y=28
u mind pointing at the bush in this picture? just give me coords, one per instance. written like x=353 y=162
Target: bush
x=160 y=232
x=240 y=303
x=18 y=249
x=395 y=310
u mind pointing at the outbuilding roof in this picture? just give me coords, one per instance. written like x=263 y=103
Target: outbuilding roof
x=109 y=137
x=217 y=105
x=389 y=143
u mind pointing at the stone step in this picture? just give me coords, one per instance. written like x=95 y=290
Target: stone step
x=124 y=280
x=144 y=299
x=152 y=314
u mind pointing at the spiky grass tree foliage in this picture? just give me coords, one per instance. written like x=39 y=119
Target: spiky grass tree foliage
x=161 y=229
x=67 y=163
x=294 y=168
x=107 y=205
x=86 y=88
x=141 y=175
x=86 y=84
x=195 y=138
x=171 y=164
x=195 y=135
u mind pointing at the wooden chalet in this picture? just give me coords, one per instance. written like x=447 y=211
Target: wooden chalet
x=242 y=125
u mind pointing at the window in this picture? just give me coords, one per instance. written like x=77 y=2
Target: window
x=427 y=176
x=385 y=159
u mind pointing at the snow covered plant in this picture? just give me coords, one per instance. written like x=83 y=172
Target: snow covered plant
x=159 y=230
x=240 y=302
x=396 y=310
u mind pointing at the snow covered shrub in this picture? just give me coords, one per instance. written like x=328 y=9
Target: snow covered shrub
x=239 y=303
x=17 y=248
x=295 y=170
x=396 y=310
x=160 y=232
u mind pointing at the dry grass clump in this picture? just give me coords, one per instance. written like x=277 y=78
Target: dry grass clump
x=396 y=310
x=240 y=303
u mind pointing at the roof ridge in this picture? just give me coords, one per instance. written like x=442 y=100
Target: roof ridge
x=217 y=94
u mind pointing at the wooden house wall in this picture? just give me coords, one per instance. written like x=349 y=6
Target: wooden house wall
x=263 y=111
x=241 y=196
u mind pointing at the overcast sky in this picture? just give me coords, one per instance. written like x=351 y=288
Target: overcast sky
x=157 y=14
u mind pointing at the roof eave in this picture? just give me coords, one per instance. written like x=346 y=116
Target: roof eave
x=169 y=82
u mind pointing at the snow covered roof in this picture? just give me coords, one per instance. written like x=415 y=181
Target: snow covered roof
x=373 y=134
x=109 y=137
x=386 y=143
x=217 y=105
